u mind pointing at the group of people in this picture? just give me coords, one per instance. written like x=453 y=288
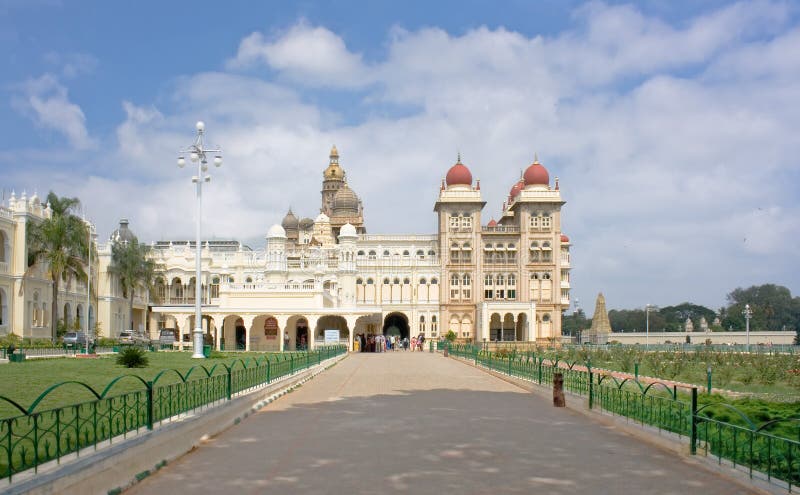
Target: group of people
x=384 y=343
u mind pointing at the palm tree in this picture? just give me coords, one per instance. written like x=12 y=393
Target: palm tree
x=61 y=242
x=131 y=263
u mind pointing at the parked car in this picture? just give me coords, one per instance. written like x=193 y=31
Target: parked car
x=133 y=337
x=75 y=338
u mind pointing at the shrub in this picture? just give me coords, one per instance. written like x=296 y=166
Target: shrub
x=451 y=336
x=132 y=357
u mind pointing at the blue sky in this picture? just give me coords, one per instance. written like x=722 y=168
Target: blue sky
x=672 y=125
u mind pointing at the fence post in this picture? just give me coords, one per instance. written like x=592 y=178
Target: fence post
x=229 y=385
x=509 y=365
x=319 y=357
x=591 y=390
x=693 y=440
x=291 y=363
x=150 y=405
x=269 y=378
x=708 y=380
x=476 y=356
x=540 y=369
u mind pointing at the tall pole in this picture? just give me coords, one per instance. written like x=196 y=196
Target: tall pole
x=197 y=153
x=748 y=313
x=647 y=327
x=89 y=289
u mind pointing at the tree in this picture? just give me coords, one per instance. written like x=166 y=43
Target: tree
x=61 y=243
x=675 y=316
x=131 y=264
x=575 y=323
x=772 y=305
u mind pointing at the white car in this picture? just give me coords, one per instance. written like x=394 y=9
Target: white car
x=132 y=337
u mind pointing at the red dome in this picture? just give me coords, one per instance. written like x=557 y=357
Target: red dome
x=516 y=188
x=537 y=175
x=564 y=239
x=459 y=174
x=492 y=223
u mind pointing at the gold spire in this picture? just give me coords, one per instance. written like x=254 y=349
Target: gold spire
x=334 y=151
x=536 y=158
x=459 y=157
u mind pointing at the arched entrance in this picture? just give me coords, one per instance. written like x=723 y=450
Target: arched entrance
x=396 y=324
x=301 y=334
x=241 y=334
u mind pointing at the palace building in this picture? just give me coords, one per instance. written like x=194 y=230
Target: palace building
x=504 y=279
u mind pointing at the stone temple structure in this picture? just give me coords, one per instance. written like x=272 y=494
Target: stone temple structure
x=601 y=326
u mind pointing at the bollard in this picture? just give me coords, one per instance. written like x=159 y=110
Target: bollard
x=558 y=390
x=446 y=352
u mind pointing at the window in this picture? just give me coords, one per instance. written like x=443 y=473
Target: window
x=405 y=253
x=487 y=280
x=466 y=222
x=370 y=281
x=454 y=279
x=511 y=294
x=386 y=281
x=372 y=255
x=467 y=280
x=500 y=280
x=422 y=281
x=547 y=256
x=396 y=281
x=546 y=276
x=361 y=253
x=546 y=221
x=488 y=293
x=434 y=326
x=546 y=317
x=512 y=280
x=406 y=281
x=500 y=293
x=454 y=223
x=386 y=253
x=249 y=280
x=420 y=253
x=422 y=323
x=434 y=281
x=359 y=281
x=534 y=221
x=431 y=253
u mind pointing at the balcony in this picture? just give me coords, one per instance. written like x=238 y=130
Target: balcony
x=565 y=301
x=501 y=229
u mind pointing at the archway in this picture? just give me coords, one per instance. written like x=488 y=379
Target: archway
x=396 y=324
x=301 y=334
x=332 y=322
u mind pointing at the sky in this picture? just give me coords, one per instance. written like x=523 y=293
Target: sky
x=672 y=125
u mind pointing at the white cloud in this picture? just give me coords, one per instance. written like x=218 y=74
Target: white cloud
x=314 y=56
x=46 y=102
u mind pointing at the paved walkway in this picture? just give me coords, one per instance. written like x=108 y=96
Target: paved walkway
x=419 y=423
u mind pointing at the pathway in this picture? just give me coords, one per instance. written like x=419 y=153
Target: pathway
x=419 y=423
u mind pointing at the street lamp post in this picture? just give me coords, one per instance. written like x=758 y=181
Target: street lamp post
x=748 y=313
x=197 y=154
x=647 y=327
x=89 y=288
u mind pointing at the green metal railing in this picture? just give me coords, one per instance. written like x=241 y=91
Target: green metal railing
x=36 y=435
x=657 y=404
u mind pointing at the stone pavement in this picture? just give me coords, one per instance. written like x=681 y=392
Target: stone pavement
x=419 y=423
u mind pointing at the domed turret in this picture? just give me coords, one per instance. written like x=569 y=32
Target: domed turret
x=345 y=202
x=334 y=171
x=306 y=223
x=564 y=239
x=322 y=218
x=516 y=188
x=458 y=175
x=290 y=221
x=123 y=233
x=347 y=230
x=492 y=223
x=276 y=231
x=536 y=175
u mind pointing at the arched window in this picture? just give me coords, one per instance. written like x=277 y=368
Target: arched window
x=434 y=281
x=372 y=255
x=386 y=281
x=422 y=281
x=420 y=253
x=248 y=280
x=512 y=280
x=466 y=279
x=534 y=276
x=488 y=280
x=454 y=279
x=361 y=252
x=500 y=280
x=359 y=281
x=431 y=253
x=4 y=248
x=386 y=252
x=546 y=276
x=370 y=281
x=406 y=281
x=546 y=317
x=405 y=253
x=396 y=281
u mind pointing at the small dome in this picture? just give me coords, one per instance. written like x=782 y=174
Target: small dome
x=306 y=223
x=276 y=231
x=347 y=230
x=322 y=218
x=290 y=221
x=516 y=188
x=492 y=223
x=123 y=233
x=564 y=239
x=458 y=175
x=536 y=175
x=345 y=202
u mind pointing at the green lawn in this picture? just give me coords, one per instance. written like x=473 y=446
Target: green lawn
x=24 y=382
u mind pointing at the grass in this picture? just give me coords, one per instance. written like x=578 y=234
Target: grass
x=24 y=382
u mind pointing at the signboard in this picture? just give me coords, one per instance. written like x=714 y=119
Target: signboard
x=271 y=328
x=331 y=336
